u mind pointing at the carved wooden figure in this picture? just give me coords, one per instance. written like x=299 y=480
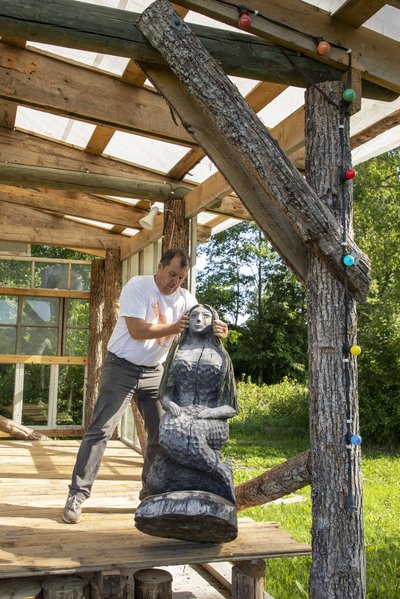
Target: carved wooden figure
x=191 y=488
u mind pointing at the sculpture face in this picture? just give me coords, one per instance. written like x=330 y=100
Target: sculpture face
x=200 y=320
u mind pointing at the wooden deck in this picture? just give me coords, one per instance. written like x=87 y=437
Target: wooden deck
x=34 y=540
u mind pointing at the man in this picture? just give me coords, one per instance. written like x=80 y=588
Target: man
x=152 y=311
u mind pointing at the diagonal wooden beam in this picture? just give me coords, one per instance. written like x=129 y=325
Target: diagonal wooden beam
x=297 y=24
x=280 y=200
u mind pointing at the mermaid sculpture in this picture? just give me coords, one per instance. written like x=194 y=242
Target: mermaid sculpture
x=192 y=494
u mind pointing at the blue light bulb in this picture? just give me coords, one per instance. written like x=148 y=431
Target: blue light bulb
x=348 y=260
x=355 y=440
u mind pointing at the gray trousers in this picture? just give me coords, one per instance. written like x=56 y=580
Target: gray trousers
x=120 y=382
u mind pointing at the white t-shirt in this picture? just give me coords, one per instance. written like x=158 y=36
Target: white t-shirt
x=141 y=298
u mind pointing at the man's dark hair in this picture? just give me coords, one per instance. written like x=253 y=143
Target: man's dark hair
x=172 y=253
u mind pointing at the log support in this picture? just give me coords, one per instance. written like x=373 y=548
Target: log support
x=95 y=351
x=153 y=583
x=108 y=585
x=66 y=587
x=248 y=579
x=338 y=564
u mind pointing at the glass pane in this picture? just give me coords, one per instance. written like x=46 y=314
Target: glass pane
x=36 y=394
x=76 y=342
x=40 y=311
x=77 y=313
x=15 y=273
x=80 y=276
x=71 y=382
x=7 y=375
x=42 y=341
x=8 y=309
x=51 y=275
x=8 y=338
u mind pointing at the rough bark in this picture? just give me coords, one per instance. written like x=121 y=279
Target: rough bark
x=112 y=290
x=153 y=583
x=286 y=478
x=95 y=351
x=19 y=431
x=176 y=225
x=215 y=113
x=139 y=426
x=338 y=565
x=66 y=587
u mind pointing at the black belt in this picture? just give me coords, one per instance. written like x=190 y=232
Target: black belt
x=141 y=366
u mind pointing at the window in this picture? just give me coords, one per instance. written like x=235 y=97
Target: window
x=44 y=326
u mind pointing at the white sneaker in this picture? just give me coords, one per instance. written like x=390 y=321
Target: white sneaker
x=73 y=511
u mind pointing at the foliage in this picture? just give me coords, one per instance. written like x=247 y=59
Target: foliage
x=253 y=454
x=246 y=281
x=377 y=228
x=262 y=408
x=46 y=251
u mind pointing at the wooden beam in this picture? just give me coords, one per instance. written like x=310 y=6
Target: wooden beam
x=45 y=83
x=261 y=95
x=297 y=24
x=30 y=226
x=41 y=292
x=28 y=148
x=32 y=359
x=384 y=124
x=133 y=245
x=99 y=140
x=21 y=147
x=82 y=205
x=356 y=12
x=283 y=204
x=107 y=30
x=22 y=175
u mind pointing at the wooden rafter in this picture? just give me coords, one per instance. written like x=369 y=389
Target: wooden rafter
x=31 y=226
x=102 y=29
x=297 y=24
x=356 y=12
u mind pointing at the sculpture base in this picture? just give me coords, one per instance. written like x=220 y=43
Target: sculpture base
x=188 y=515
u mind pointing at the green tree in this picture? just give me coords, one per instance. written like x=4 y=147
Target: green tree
x=255 y=292
x=377 y=230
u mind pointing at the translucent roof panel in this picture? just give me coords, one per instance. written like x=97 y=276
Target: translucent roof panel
x=159 y=155
x=54 y=126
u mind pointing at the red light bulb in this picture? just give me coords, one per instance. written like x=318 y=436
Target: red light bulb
x=244 y=21
x=349 y=174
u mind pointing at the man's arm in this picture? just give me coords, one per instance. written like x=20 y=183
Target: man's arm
x=141 y=329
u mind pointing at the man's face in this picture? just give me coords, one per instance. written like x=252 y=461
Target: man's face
x=170 y=277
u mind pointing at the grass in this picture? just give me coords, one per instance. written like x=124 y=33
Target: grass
x=288 y=578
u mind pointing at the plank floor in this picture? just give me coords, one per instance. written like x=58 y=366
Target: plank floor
x=34 y=540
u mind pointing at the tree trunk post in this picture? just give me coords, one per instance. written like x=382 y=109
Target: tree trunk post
x=152 y=583
x=176 y=225
x=66 y=587
x=338 y=555
x=248 y=579
x=95 y=350
x=112 y=290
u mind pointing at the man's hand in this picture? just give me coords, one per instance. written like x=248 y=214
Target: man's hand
x=182 y=323
x=220 y=329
